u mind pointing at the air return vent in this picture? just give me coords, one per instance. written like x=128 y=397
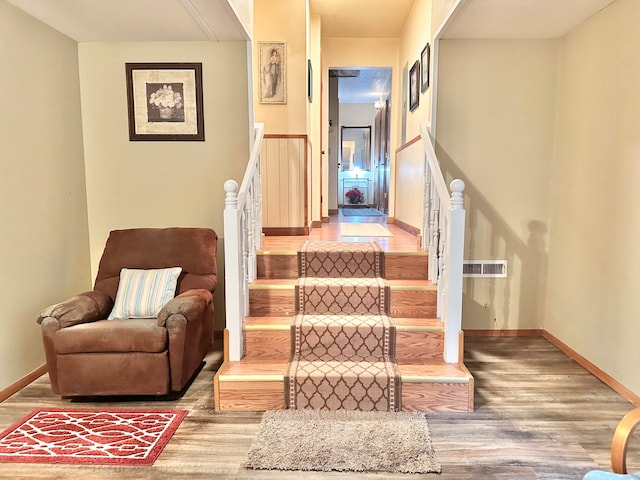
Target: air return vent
x=484 y=268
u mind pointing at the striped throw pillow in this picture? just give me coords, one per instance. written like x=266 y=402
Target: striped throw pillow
x=142 y=293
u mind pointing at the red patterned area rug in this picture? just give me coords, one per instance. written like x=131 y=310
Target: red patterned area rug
x=90 y=436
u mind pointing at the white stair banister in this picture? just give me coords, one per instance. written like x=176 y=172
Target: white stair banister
x=443 y=238
x=454 y=276
x=242 y=240
x=233 y=269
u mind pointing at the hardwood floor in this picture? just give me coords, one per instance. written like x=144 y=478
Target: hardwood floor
x=538 y=415
x=401 y=241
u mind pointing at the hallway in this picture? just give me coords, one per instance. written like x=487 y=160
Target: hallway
x=401 y=241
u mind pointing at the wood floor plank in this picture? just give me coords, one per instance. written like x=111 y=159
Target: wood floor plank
x=537 y=415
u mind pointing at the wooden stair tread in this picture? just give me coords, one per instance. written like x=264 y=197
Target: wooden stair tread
x=418 y=323
x=256 y=322
x=283 y=264
x=277 y=252
x=291 y=283
x=406 y=254
x=403 y=323
x=434 y=371
x=295 y=253
x=411 y=285
x=253 y=370
x=273 y=282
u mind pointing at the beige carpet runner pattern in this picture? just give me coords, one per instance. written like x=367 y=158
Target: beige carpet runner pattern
x=343 y=342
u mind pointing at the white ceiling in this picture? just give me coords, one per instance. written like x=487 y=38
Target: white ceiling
x=138 y=20
x=189 y=20
x=521 y=18
x=479 y=19
x=214 y=20
x=361 y=18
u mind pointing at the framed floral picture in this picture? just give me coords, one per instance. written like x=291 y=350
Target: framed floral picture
x=272 y=68
x=165 y=101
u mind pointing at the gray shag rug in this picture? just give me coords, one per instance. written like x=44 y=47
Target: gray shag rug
x=343 y=441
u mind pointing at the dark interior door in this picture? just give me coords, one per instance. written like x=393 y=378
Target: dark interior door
x=382 y=159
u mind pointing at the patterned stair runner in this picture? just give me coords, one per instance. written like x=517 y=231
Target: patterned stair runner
x=343 y=343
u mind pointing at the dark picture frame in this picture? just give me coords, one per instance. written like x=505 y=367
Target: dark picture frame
x=164 y=101
x=414 y=86
x=309 y=81
x=425 y=58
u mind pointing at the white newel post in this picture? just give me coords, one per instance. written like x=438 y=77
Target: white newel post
x=455 y=242
x=233 y=276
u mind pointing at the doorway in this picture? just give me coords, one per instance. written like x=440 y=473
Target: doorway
x=381 y=157
x=359 y=138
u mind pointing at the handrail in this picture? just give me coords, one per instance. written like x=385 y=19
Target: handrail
x=434 y=166
x=443 y=237
x=254 y=159
x=242 y=240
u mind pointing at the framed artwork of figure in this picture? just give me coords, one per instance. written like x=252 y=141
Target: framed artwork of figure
x=272 y=68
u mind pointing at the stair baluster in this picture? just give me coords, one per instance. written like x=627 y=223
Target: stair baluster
x=242 y=240
x=445 y=230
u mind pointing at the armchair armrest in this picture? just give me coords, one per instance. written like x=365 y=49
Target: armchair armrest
x=83 y=308
x=188 y=319
x=190 y=304
x=621 y=440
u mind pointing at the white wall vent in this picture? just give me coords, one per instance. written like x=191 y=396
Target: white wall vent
x=484 y=268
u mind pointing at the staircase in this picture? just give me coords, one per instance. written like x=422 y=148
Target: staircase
x=257 y=381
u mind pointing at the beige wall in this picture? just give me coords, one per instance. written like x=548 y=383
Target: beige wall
x=161 y=184
x=290 y=21
x=313 y=123
x=592 y=300
x=496 y=112
x=44 y=246
x=410 y=165
x=440 y=11
x=415 y=35
x=283 y=21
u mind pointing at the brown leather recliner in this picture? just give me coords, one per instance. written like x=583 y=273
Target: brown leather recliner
x=89 y=355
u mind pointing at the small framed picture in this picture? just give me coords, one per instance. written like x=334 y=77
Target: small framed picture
x=414 y=88
x=164 y=101
x=424 y=67
x=272 y=69
x=309 y=81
